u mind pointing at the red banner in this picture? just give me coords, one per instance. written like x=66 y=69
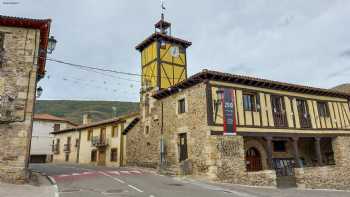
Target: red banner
x=228 y=108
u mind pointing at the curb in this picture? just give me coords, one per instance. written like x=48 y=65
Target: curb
x=51 y=180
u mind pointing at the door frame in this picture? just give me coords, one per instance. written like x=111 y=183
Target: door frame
x=183 y=148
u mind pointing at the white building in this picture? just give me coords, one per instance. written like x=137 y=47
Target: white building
x=43 y=125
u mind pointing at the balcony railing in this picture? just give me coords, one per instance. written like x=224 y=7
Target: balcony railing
x=66 y=148
x=99 y=142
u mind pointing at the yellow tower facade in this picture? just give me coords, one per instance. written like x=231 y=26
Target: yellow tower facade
x=163 y=58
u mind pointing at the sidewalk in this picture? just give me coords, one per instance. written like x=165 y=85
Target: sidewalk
x=45 y=189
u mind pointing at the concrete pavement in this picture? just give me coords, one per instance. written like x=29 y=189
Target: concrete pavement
x=90 y=181
x=43 y=188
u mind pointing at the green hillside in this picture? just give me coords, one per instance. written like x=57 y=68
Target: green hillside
x=74 y=110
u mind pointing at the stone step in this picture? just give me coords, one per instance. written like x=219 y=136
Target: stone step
x=286 y=182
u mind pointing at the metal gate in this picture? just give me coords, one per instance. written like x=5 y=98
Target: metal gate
x=284 y=167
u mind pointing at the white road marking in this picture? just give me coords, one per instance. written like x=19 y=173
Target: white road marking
x=115 y=172
x=125 y=172
x=136 y=171
x=151 y=196
x=135 y=188
x=119 y=180
x=107 y=175
x=76 y=174
x=88 y=173
x=63 y=175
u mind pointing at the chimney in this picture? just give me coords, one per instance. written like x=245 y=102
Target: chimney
x=87 y=118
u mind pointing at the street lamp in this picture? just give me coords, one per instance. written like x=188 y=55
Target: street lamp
x=39 y=91
x=51 y=44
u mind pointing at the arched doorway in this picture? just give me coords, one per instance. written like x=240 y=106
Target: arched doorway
x=253 y=160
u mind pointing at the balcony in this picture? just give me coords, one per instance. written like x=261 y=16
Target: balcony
x=99 y=142
x=66 y=148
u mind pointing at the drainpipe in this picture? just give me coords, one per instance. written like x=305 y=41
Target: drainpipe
x=78 y=149
x=162 y=159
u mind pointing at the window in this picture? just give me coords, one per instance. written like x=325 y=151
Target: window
x=251 y=102
x=89 y=135
x=279 y=146
x=115 y=131
x=182 y=106
x=76 y=142
x=93 y=155
x=114 y=154
x=147 y=130
x=67 y=158
x=56 y=127
x=322 y=109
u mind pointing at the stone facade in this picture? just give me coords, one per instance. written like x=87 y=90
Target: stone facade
x=18 y=76
x=329 y=177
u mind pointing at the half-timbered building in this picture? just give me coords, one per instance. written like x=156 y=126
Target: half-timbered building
x=235 y=128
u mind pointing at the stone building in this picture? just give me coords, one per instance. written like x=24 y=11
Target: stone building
x=43 y=126
x=100 y=143
x=22 y=41
x=234 y=128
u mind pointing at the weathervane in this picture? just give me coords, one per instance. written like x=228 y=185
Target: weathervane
x=163 y=8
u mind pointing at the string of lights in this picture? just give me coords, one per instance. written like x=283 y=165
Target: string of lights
x=81 y=66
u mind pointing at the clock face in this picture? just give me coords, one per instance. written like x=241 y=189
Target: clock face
x=175 y=51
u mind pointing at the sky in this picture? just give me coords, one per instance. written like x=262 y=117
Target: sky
x=295 y=41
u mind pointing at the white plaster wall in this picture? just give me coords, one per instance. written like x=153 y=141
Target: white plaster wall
x=41 y=137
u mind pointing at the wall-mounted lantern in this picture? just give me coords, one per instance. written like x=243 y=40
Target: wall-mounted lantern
x=39 y=91
x=51 y=44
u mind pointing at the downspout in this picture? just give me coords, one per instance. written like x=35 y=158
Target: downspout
x=78 y=148
x=162 y=159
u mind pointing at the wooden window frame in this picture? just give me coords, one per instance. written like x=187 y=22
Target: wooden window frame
x=114 y=131
x=90 y=134
x=323 y=110
x=114 y=157
x=254 y=102
x=181 y=106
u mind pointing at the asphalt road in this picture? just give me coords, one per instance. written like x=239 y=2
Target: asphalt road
x=91 y=181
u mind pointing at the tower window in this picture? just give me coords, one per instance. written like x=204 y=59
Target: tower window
x=56 y=127
x=181 y=106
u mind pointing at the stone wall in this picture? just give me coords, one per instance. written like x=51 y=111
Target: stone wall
x=228 y=163
x=329 y=177
x=17 y=91
x=161 y=116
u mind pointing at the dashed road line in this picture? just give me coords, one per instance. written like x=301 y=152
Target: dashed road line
x=135 y=188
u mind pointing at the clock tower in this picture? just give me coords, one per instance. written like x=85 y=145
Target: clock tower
x=163 y=58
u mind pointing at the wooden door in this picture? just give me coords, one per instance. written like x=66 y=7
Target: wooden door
x=101 y=158
x=183 y=147
x=278 y=111
x=253 y=160
x=303 y=113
